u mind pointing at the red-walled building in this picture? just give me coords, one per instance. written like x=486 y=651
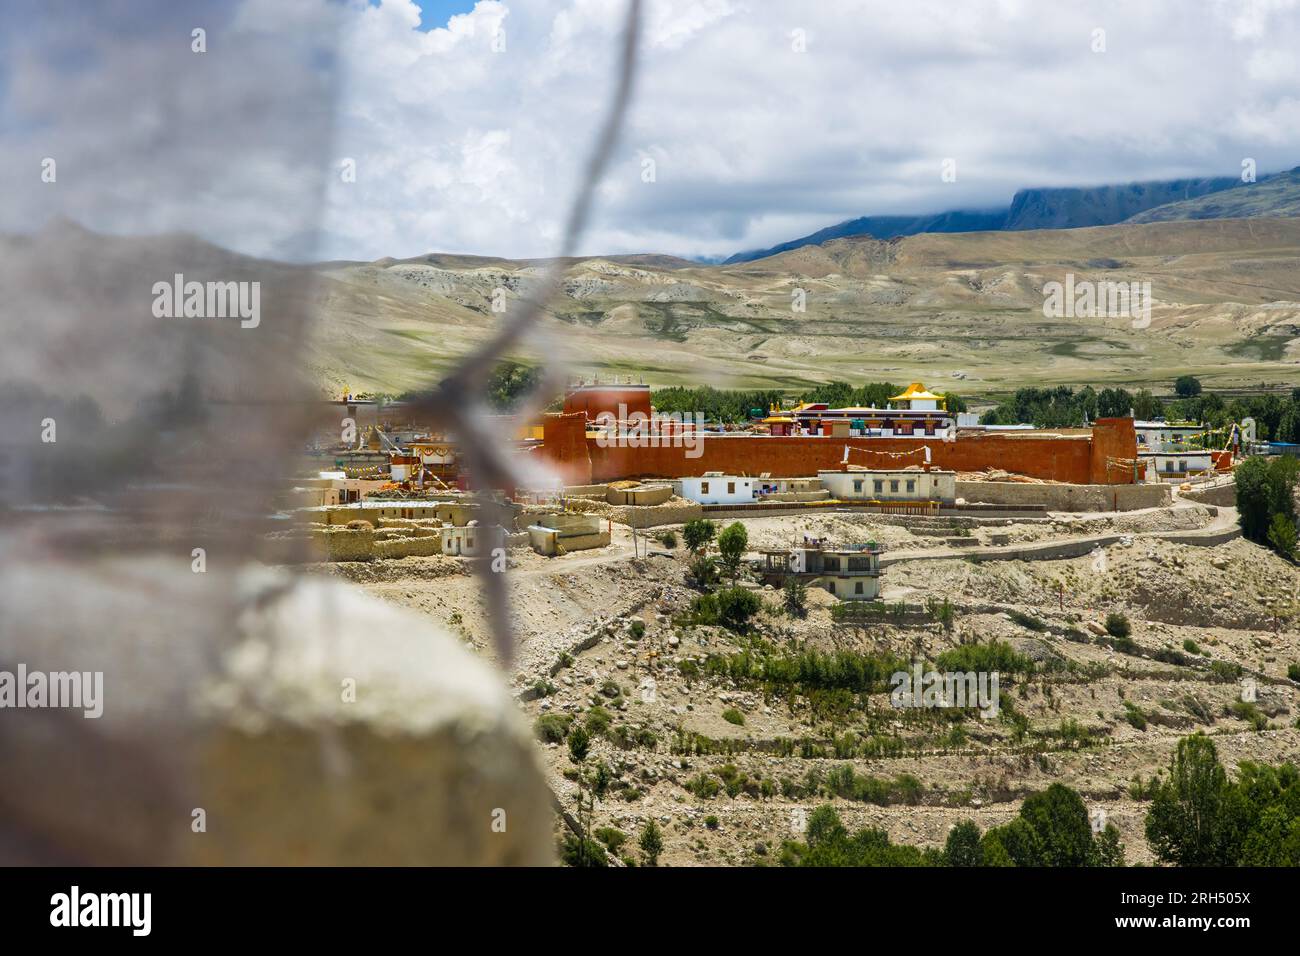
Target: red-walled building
x=1105 y=456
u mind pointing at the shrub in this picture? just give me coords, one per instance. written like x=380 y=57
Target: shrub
x=941 y=612
x=732 y=716
x=598 y=720
x=637 y=629
x=794 y=596
x=732 y=608
x=1191 y=647
x=1168 y=656
x=1135 y=716
x=553 y=728
x=579 y=852
x=651 y=843
x=995 y=656
x=733 y=780
x=1293 y=672
x=704 y=787
x=668 y=539
x=1224 y=672
x=1117 y=624
x=1027 y=621
x=711 y=822
x=703 y=572
x=1143 y=790
x=1248 y=712
x=1125 y=645
x=611 y=837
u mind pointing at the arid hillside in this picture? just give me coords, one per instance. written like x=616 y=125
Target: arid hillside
x=964 y=310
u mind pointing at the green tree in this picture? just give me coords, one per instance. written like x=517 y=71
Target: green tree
x=1189 y=822
x=509 y=383
x=1274 y=840
x=1281 y=535
x=1187 y=386
x=579 y=744
x=1060 y=820
x=732 y=545
x=963 y=846
x=824 y=827
x=1108 y=850
x=1265 y=488
x=992 y=851
x=795 y=597
x=697 y=533
x=735 y=608
x=1020 y=842
x=651 y=843
x=1114 y=403
x=1146 y=406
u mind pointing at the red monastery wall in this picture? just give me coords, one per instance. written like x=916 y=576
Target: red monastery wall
x=1075 y=459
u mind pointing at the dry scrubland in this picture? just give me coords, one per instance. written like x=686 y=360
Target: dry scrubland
x=1094 y=714
x=926 y=307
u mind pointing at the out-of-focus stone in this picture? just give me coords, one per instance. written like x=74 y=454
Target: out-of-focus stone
x=309 y=722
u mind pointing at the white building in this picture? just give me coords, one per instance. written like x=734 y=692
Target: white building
x=715 y=488
x=471 y=541
x=1173 y=466
x=1165 y=436
x=902 y=484
x=1166 y=452
x=850 y=573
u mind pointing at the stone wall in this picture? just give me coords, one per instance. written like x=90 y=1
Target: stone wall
x=1224 y=496
x=1065 y=497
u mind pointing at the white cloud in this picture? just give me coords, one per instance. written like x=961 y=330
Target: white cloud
x=755 y=143
x=467 y=136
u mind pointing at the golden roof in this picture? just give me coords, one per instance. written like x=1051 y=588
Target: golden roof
x=918 y=391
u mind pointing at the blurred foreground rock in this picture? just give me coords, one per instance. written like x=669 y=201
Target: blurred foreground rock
x=310 y=723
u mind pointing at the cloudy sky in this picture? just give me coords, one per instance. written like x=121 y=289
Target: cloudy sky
x=465 y=122
x=460 y=148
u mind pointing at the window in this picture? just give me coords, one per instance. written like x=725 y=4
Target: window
x=911 y=485
x=832 y=564
x=893 y=486
x=857 y=587
x=830 y=586
x=704 y=487
x=880 y=486
x=857 y=485
x=731 y=487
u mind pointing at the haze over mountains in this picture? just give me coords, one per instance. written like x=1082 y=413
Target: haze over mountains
x=1078 y=207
